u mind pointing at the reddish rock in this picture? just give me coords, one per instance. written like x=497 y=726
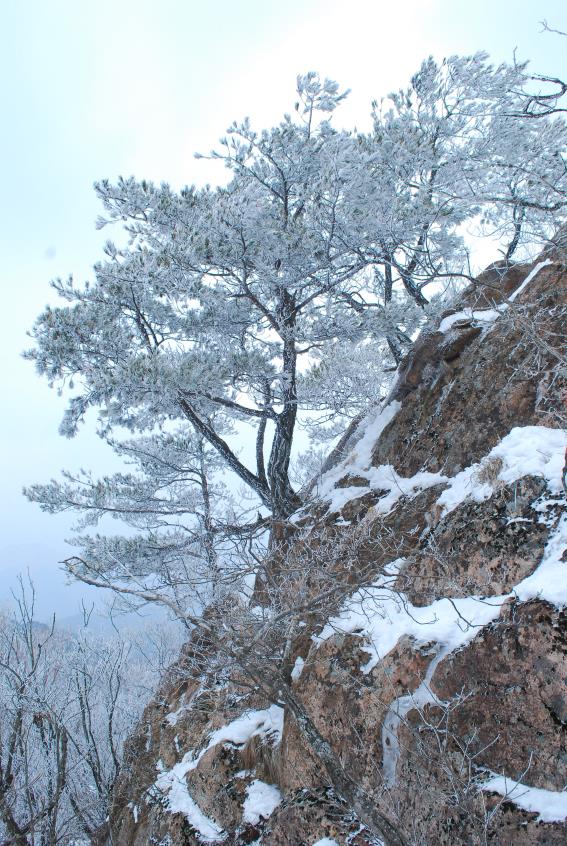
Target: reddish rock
x=501 y=700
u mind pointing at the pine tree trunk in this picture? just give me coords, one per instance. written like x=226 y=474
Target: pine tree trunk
x=284 y=499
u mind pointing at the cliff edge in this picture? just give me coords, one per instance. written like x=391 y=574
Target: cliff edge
x=440 y=684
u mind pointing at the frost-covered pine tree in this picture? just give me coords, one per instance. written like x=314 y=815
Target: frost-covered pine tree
x=457 y=147
x=239 y=308
x=247 y=306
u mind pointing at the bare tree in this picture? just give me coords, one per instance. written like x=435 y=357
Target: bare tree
x=67 y=703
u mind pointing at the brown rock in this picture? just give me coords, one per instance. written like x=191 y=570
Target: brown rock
x=501 y=701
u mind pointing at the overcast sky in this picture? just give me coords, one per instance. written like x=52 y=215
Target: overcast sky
x=118 y=87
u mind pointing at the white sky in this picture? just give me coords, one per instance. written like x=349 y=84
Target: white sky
x=97 y=89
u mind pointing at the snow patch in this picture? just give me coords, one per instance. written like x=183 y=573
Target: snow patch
x=382 y=616
x=135 y=811
x=486 y=315
x=384 y=479
x=173 y=786
x=172 y=783
x=525 y=451
x=326 y=841
x=528 y=279
x=549 y=581
x=550 y=805
x=362 y=453
x=261 y=801
x=173 y=717
x=265 y=723
x=489 y=315
x=361 y=456
x=297 y=668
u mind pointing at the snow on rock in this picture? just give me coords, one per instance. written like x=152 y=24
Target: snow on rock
x=456 y=622
x=550 y=805
x=525 y=451
x=489 y=315
x=265 y=723
x=362 y=453
x=297 y=668
x=326 y=841
x=261 y=801
x=381 y=616
x=383 y=478
x=452 y=633
x=529 y=278
x=135 y=811
x=172 y=785
x=361 y=456
x=173 y=717
x=386 y=480
x=549 y=581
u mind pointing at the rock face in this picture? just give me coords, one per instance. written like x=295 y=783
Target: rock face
x=445 y=698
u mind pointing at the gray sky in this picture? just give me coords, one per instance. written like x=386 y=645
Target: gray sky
x=97 y=89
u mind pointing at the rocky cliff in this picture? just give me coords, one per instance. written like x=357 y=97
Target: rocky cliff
x=441 y=684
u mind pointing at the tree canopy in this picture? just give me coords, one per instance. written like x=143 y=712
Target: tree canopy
x=249 y=304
